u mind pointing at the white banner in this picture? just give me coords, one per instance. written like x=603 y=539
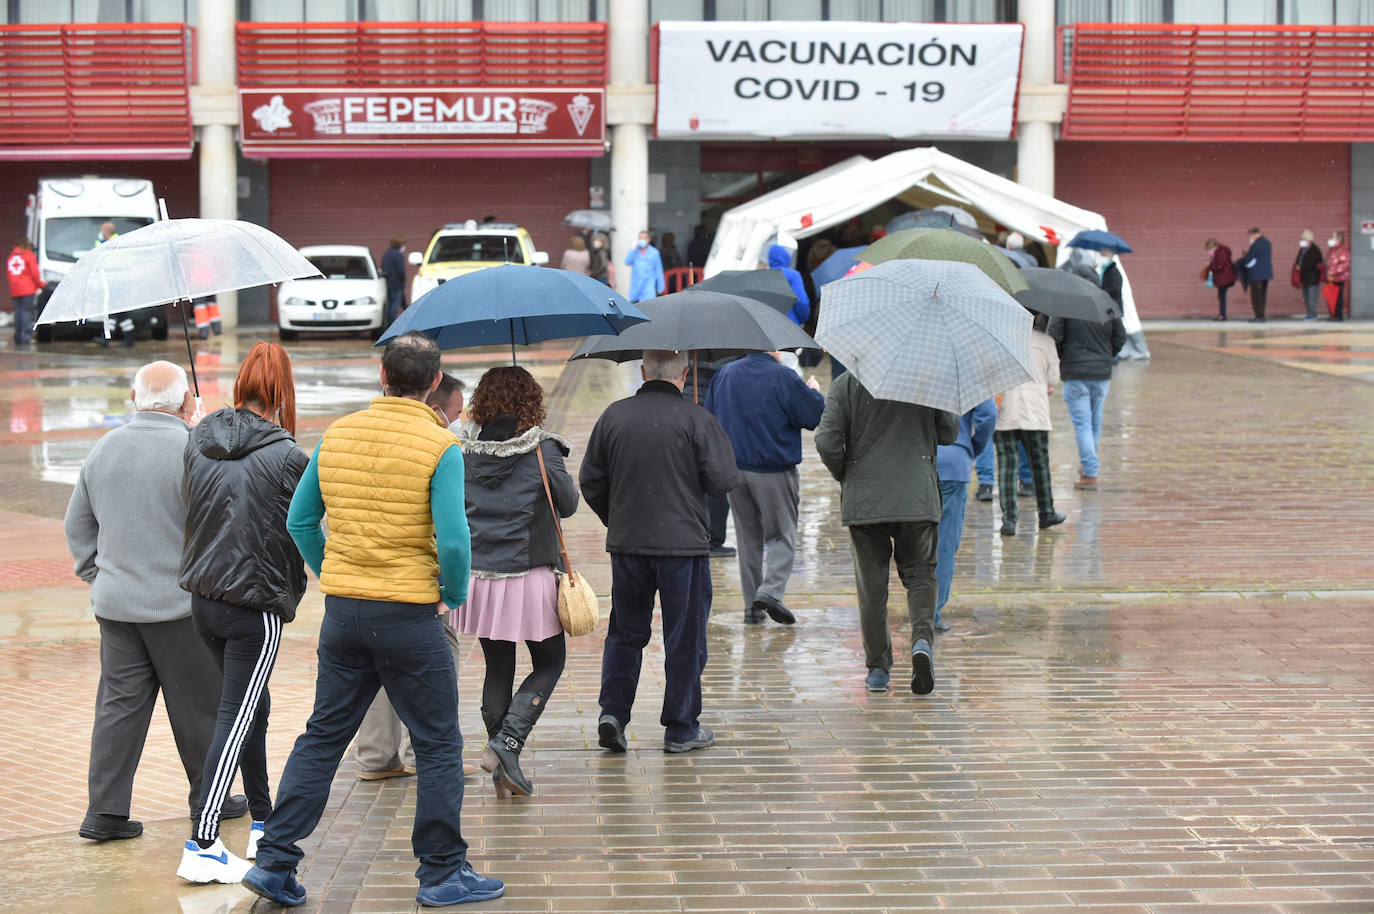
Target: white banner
x=903 y=80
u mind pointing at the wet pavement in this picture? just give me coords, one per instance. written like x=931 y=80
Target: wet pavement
x=1164 y=705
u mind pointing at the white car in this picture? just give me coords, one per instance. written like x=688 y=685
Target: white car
x=350 y=296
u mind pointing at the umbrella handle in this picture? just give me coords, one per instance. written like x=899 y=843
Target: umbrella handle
x=190 y=356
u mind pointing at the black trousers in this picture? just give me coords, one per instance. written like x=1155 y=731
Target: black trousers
x=244 y=643
x=912 y=544
x=683 y=586
x=1259 y=296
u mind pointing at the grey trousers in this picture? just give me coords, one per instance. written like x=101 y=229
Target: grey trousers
x=137 y=660
x=912 y=544
x=382 y=739
x=765 y=507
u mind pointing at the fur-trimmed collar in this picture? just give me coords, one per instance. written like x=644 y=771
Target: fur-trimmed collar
x=520 y=444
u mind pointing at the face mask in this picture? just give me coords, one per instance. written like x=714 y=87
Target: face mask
x=1331 y=242
x=643 y=243
x=1304 y=243
x=1101 y=260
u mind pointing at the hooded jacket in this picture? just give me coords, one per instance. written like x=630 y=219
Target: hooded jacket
x=780 y=258
x=508 y=513
x=241 y=472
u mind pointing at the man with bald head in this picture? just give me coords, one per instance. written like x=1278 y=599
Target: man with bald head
x=125 y=525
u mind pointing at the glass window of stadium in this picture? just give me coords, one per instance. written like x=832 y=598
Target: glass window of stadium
x=82 y=11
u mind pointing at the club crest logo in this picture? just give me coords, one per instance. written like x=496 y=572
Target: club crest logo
x=272 y=116
x=581 y=110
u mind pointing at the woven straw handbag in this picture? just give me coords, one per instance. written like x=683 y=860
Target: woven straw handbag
x=577 y=604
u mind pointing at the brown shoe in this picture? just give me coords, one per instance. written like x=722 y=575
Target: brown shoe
x=398 y=771
x=1086 y=482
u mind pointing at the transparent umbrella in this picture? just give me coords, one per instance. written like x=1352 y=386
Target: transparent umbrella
x=941 y=334
x=169 y=261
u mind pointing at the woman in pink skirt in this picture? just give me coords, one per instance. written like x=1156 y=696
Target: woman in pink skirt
x=514 y=592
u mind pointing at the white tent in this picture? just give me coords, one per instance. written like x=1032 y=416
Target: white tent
x=919 y=178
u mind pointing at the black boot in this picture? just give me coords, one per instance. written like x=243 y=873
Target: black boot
x=504 y=748
x=490 y=762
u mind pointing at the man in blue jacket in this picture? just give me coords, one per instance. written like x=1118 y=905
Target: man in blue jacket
x=780 y=258
x=1257 y=268
x=952 y=463
x=646 y=266
x=763 y=406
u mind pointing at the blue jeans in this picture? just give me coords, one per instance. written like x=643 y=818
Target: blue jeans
x=365 y=644
x=395 y=301
x=683 y=585
x=985 y=465
x=953 y=500
x=1085 y=400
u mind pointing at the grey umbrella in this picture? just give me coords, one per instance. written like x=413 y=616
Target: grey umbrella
x=767 y=286
x=596 y=220
x=937 y=333
x=712 y=324
x=1059 y=293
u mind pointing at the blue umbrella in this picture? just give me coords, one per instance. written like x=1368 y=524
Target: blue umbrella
x=517 y=305
x=1100 y=241
x=836 y=265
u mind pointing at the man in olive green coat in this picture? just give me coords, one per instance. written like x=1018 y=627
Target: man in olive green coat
x=883 y=454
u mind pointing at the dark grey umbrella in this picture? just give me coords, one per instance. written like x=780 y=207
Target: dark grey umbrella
x=1060 y=293
x=713 y=325
x=769 y=287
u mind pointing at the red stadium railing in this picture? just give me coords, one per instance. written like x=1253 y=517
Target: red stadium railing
x=379 y=54
x=94 y=90
x=1215 y=83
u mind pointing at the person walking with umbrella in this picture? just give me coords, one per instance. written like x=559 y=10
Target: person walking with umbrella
x=513 y=595
x=246 y=578
x=882 y=452
x=1086 y=352
x=651 y=461
x=1023 y=421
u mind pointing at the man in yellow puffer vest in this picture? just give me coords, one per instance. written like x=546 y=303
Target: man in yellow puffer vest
x=390 y=479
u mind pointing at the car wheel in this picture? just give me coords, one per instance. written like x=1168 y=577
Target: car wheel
x=287 y=336
x=43 y=333
x=375 y=333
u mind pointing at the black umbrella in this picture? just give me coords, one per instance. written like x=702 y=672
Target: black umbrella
x=767 y=286
x=1060 y=293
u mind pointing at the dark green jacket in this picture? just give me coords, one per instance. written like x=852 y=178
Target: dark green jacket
x=883 y=454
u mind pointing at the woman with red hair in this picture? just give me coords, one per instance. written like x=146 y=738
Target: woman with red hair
x=246 y=579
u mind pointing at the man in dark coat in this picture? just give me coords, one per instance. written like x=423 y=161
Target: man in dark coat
x=651 y=461
x=1257 y=268
x=882 y=452
x=394 y=271
x=1086 y=351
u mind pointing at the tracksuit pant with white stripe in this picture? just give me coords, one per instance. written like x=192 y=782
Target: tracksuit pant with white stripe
x=244 y=643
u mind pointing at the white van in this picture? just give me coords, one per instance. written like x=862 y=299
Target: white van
x=64 y=220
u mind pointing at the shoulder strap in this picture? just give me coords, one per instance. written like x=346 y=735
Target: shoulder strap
x=557 y=525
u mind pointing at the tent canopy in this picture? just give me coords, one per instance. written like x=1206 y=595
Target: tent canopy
x=920 y=178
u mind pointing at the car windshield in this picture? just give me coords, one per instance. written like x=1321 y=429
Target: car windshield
x=497 y=248
x=342 y=266
x=68 y=238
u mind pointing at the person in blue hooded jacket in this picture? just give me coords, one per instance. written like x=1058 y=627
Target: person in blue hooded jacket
x=780 y=258
x=646 y=277
x=952 y=465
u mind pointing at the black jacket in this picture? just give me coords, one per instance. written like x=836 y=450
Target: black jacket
x=651 y=461
x=241 y=472
x=508 y=512
x=1309 y=264
x=1086 y=348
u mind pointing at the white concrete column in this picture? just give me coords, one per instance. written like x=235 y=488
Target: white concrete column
x=629 y=112
x=1035 y=133
x=216 y=60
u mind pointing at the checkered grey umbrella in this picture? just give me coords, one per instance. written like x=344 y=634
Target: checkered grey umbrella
x=937 y=333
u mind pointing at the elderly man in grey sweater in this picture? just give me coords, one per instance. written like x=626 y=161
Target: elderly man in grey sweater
x=125 y=525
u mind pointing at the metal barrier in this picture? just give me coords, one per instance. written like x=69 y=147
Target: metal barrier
x=95 y=89
x=380 y=54
x=1215 y=83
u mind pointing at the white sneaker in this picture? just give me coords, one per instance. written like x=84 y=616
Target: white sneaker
x=254 y=834
x=213 y=864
